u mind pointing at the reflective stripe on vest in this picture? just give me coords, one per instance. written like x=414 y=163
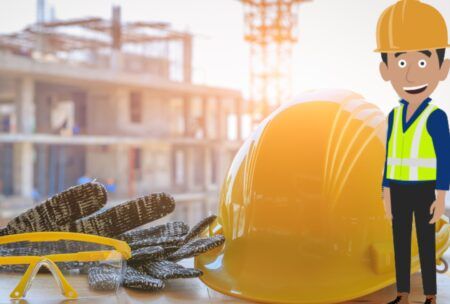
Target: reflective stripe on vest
x=413 y=162
x=411 y=154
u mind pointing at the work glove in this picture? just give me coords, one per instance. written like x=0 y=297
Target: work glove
x=59 y=210
x=155 y=250
x=77 y=209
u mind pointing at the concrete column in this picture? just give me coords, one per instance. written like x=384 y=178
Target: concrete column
x=239 y=118
x=26 y=107
x=207 y=168
x=121 y=102
x=23 y=152
x=189 y=165
x=221 y=120
x=122 y=169
x=116 y=60
x=187 y=58
x=23 y=169
x=222 y=164
x=188 y=131
x=205 y=111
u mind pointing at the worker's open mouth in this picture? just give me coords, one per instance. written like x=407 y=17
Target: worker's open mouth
x=415 y=90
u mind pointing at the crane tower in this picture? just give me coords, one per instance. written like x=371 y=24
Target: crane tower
x=271 y=30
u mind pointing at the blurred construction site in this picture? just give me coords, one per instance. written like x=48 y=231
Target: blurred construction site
x=116 y=100
x=105 y=99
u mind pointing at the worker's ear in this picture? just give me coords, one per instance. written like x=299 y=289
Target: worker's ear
x=444 y=69
x=384 y=71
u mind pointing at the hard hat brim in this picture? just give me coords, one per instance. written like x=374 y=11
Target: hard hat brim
x=270 y=289
x=229 y=271
x=380 y=50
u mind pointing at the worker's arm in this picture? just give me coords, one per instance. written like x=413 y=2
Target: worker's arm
x=437 y=126
x=388 y=135
x=385 y=186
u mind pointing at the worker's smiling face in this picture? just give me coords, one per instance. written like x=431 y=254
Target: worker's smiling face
x=414 y=75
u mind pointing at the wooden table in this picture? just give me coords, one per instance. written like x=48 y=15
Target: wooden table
x=190 y=291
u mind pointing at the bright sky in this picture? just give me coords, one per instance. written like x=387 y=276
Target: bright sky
x=335 y=49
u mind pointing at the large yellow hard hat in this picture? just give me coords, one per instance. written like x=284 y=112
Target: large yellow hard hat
x=301 y=208
x=410 y=25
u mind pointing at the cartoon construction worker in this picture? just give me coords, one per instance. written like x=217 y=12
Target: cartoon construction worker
x=412 y=39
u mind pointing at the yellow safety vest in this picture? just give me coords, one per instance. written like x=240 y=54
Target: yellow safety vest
x=410 y=154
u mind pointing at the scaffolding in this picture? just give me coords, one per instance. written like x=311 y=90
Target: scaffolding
x=150 y=47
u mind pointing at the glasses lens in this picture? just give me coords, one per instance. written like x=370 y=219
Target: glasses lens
x=11 y=274
x=82 y=269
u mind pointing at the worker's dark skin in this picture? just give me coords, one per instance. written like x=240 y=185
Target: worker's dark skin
x=414 y=76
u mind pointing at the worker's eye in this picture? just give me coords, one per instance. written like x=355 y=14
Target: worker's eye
x=402 y=63
x=422 y=63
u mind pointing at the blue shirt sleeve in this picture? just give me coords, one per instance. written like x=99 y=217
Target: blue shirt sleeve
x=389 y=129
x=437 y=126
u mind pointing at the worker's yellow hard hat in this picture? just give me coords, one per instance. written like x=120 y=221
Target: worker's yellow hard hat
x=301 y=207
x=410 y=25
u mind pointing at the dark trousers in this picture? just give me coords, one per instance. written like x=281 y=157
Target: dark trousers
x=406 y=200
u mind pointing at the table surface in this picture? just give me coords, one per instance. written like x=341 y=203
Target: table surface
x=194 y=291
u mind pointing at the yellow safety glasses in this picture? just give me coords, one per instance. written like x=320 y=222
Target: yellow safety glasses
x=94 y=265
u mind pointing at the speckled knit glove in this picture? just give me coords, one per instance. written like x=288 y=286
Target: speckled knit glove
x=126 y=216
x=104 y=277
x=59 y=210
x=77 y=210
x=165 y=230
x=177 y=244
x=145 y=254
x=196 y=247
x=165 y=270
x=199 y=228
x=155 y=241
x=172 y=235
x=137 y=279
x=156 y=250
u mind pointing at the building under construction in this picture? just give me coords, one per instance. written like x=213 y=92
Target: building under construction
x=115 y=101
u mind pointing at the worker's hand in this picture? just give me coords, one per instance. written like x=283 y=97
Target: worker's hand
x=437 y=209
x=387 y=202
